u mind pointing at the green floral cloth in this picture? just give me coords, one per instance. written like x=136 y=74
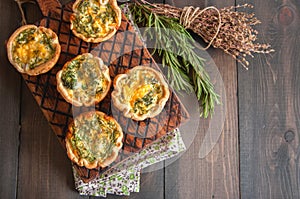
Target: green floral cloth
x=124 y=177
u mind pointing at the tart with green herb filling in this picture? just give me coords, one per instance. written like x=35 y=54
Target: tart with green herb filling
x=94 y=140
x=33 y=50
x=95 y=20
x=84 y=81
x=140 y=93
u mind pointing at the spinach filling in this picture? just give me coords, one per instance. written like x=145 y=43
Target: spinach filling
x=25 y=36
x=144 y=104
x=91 y=20
x=95 y=138
x=147 y=92
x=84 y=76
x=69 y=79
x=37 y=51
x=69 y=76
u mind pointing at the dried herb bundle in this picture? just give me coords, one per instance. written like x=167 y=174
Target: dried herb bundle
x=225 y=28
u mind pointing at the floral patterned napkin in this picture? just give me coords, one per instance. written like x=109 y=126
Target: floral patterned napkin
x=125 y=176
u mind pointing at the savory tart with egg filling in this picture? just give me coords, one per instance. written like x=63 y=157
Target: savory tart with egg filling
x=84 y=81
x=95 y=20
x=94 y=140
x=33 y=50
x=140 y=93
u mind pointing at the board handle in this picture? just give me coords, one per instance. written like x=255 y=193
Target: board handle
x=48 y=5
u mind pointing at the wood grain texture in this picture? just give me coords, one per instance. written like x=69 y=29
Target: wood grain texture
x=269 y=107
x=44 y=169
x=217 y=175
x=48 y=5
x=9 y=104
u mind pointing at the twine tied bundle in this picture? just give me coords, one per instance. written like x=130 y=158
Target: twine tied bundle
x=189 y=14
x=224 y=28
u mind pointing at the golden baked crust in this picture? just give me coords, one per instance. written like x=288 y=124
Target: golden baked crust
x=97 y=23
x=84 y=80
x=33 y=50
x=140 y=93
x=94 y=140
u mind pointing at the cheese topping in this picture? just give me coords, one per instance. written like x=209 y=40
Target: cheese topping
x=93 y=19
x=94 y=137
x=84 y=79
x=142 y=91
x=31 y=48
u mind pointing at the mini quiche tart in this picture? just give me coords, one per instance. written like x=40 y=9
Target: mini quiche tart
x=140 y=93
x=33 y=50
x=84 y=81
x=95 y=20
x=94 y=140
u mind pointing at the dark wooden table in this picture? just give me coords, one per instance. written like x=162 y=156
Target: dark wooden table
x=257 y=155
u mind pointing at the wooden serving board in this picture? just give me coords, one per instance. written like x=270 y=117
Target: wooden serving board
x=123 y=51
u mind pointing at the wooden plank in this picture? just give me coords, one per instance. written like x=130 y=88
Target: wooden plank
x=10 y=103
x=217 y=175
x=48 y=5
x=269 y=107
x=122 y=51
x=44 y=169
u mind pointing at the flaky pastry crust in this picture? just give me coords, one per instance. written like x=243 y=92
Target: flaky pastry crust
x=126 y=108
x=43 y=68
x=118 y=19
x=95 y=99
x=73 y=154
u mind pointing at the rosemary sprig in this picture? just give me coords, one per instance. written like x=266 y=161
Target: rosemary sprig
x=186 y=68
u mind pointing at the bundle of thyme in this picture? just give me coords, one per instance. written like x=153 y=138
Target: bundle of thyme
x=176 y=48
x=225 y=28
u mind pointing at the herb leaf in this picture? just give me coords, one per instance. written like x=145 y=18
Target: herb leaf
x=185 y=67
